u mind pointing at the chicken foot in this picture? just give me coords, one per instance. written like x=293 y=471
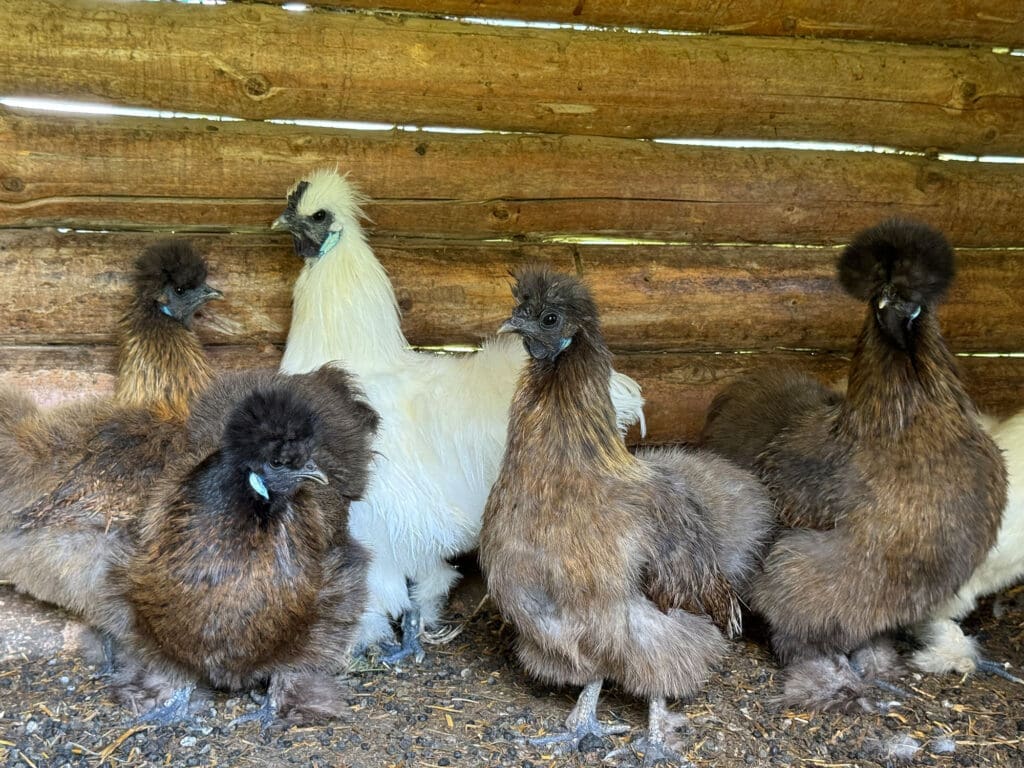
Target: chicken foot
x=581 y=722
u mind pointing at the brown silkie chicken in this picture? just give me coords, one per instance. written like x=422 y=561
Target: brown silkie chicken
x=238 y=572
x=161 y=364
x=610 y=566
x=887 y=498
x=74 y=474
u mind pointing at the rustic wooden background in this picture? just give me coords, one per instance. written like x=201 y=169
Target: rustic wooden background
x=721 y=257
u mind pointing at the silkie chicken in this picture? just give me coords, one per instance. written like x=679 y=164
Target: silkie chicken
x=76 y=473
x=946 y=647
x=888 y=498
x=239 y=572
x=161 y=363
x=443 y=418
x=610 y=566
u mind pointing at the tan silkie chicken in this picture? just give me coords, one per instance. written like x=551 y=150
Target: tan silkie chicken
x=240 y=571
x=888 y=498
x=610 y=566
x=76 y=473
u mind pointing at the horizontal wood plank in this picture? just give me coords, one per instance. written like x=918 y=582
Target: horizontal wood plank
x=678 y=387
x=112 y=173
x=260 y=61
x=71 y=289
x=987 y=22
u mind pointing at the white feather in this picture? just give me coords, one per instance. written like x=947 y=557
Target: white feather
x=946 y=648
x=443 y=418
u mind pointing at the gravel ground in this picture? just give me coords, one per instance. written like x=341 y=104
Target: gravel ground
x=468 y=704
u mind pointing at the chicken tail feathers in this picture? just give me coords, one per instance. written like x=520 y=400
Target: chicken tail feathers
x=628 y=402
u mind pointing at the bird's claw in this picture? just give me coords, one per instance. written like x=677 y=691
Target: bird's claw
x=995 y=668
x=174 y=710
x=265 y=715
x=654 y=753
x=411 y=646
x=570 y=738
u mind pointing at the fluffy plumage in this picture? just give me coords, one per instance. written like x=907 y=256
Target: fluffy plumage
x=946 y=647
x=239 y=572
x=74 y=475
x=888 y=497
x=443 y=417
x=610 y=566
x=161 y=364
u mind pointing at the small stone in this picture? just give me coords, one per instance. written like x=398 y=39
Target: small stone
x=188 y=741
x=31 y=727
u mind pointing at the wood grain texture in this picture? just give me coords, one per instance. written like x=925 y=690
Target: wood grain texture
x=71 y=289
x=259 y=61
x=987 y=22
x=678 y=387
x=112 y=173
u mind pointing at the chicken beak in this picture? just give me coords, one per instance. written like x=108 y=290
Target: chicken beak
x=512 y=325
x=312 y=472
x=279 y=223
x=209 y=293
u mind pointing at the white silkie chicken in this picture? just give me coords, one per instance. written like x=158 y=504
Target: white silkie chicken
x=946 y=647
x=443 y=417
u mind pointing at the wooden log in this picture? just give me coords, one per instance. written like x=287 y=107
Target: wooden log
x=112 y=173
x=678 y=387
x=71 y=289
x=56 y=374
x=257 y=61
x=991 y=23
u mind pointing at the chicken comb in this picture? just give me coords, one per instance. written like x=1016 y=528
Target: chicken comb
x=914 y=258
x=170 y=261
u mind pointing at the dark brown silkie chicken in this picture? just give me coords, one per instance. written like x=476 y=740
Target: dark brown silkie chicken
x=239 y=573
x=161 y=365
x=76 y=473
x=888 y=497
x=610 y=566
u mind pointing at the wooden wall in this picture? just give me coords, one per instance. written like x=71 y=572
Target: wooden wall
x=721 y=257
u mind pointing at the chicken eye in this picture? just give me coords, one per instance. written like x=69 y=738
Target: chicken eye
x=319 y=215
x=549 y=320
x=276 y=463
x=179 y=289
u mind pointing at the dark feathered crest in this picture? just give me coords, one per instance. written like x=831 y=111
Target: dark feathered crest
x=174 y=262
x=915 y=258
x=538 y=286
x=270 y=425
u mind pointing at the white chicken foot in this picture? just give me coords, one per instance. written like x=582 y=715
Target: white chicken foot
x=653 y=745
x=580 y=723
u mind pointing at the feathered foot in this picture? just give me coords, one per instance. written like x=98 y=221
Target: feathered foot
x=174 y=710
x=874 y=660
x=411 y=625
x=265 y=715
x=996 y=668
x=653 y=744
x=580 y=723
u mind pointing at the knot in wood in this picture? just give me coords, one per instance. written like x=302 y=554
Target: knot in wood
x=500 y=212
x=256 y=86
x=13 y=184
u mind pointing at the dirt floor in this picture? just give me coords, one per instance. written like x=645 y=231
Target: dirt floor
x=469 y=704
